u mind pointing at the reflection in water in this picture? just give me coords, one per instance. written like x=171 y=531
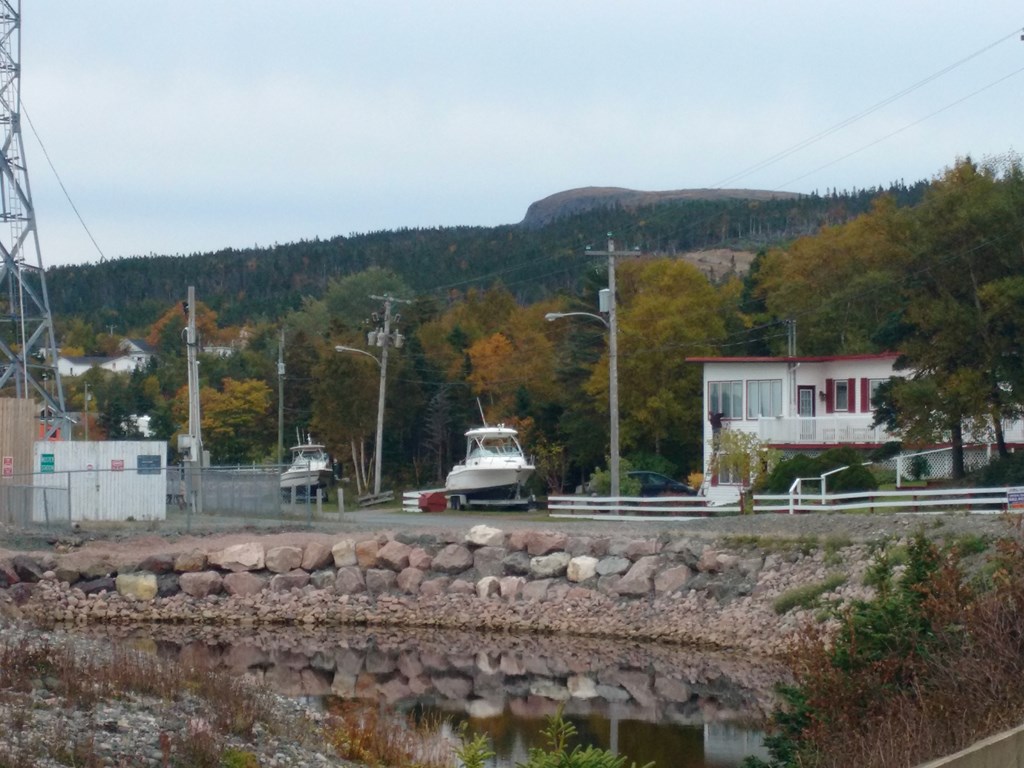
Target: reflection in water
x=681 y=708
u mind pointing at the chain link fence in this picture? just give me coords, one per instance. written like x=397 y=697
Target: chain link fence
x=186 y=499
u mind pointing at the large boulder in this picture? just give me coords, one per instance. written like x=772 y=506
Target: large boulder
x=394 y=556
x=452 y=559
x=485 y=536
x=191 y=562
x=315 y=556
x=550 y=566
x=639 y=580
x=244 y=583
x=140 y=585
x=349 y=581
x=285 y=582
x=202 y=583
x=283 y=559
x=366 y=553
x=581 y=568
x=239 y=557
x=344 y=553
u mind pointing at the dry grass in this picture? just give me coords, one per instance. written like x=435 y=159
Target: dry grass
x=233 y=709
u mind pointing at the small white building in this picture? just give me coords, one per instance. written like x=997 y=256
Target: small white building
x=135 y=355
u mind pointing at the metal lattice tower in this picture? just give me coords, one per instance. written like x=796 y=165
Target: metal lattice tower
x=28 y=351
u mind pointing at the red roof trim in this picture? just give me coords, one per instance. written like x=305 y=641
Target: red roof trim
x=813 y=359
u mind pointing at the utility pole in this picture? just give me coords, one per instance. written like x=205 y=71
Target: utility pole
x=383 y=338
x=280 y=400
x=194 y=416
x=86 y=397
x=613 y=361
x=28 y=349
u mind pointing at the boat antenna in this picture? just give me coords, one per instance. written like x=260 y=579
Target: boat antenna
x=482 y=417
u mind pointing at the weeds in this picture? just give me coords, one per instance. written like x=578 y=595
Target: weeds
x=808 y=595
x=375 y=737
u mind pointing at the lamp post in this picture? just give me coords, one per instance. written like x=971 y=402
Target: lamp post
x=613 y=390
x=384 y=338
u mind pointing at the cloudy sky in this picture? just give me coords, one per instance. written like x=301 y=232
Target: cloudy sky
x=190 y=126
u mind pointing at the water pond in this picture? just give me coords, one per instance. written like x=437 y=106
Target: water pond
x=678 y=707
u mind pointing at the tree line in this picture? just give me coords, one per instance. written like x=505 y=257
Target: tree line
x=933 y=271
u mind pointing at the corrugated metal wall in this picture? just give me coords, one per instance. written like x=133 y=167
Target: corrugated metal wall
x=107 y=481
x=19 y=421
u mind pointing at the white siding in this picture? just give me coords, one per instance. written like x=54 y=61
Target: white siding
x=96 y=489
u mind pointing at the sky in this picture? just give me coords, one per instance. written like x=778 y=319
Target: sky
x=187 y=127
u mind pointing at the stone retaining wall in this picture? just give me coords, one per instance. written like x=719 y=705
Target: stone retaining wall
x=669 y=588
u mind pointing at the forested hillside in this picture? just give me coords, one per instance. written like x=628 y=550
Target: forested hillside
x=253 y=284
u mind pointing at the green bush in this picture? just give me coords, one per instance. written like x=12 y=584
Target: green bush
x=474 y=753
x=1008 y=470
x=856 y=477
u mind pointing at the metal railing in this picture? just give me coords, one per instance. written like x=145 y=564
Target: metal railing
x=989 y=500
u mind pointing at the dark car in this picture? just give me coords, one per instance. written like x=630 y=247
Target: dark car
x=657 y=484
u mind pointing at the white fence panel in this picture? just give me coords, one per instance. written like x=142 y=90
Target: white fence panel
x=635 y=508
x=989 y=500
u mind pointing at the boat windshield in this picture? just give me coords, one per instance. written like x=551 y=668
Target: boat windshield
x=308 y=456
x=505 y=445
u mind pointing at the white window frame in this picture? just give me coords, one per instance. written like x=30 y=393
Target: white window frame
x=764 y=398
x=845 y=385
x=730 y=406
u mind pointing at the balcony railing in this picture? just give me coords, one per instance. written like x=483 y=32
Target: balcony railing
x=821 y=430
x=853 y=429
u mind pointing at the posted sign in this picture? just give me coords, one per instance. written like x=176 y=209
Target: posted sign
x=1015 y=498
x=8 y=466
x=46 y=463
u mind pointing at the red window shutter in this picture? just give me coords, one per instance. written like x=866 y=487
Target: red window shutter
x=851 y=390
x=865 y=400
x=830 y=393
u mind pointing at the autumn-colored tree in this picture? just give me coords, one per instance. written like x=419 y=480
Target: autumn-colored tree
x=238 y=427
x=668 y=311
x=840 y=285
x=166 y=334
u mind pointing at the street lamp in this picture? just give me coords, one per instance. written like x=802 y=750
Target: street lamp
x=613 y=388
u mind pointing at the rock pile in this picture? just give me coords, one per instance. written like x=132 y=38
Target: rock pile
x=670 y=588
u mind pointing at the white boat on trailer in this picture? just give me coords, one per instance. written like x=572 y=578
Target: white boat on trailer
x=493 y=473
x=311 y=469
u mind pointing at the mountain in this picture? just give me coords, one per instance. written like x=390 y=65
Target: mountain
x=585 y=199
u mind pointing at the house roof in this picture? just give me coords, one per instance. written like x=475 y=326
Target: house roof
x=794 y=359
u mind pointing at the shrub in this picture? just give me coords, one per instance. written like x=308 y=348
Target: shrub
x=927 y=667
x=474 y=753
x=1007 y=470
x=856 y=477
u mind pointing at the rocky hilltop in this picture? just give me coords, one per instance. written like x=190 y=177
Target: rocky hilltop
x=583 y=199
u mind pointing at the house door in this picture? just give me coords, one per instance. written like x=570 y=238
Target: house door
x=805 y=401
x=805 y=410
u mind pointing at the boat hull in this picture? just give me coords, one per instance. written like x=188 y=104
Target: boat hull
x=487 y=483
x=306 y=479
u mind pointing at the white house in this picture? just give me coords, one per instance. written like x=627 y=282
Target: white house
x=800 y=404
x=135 y=354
